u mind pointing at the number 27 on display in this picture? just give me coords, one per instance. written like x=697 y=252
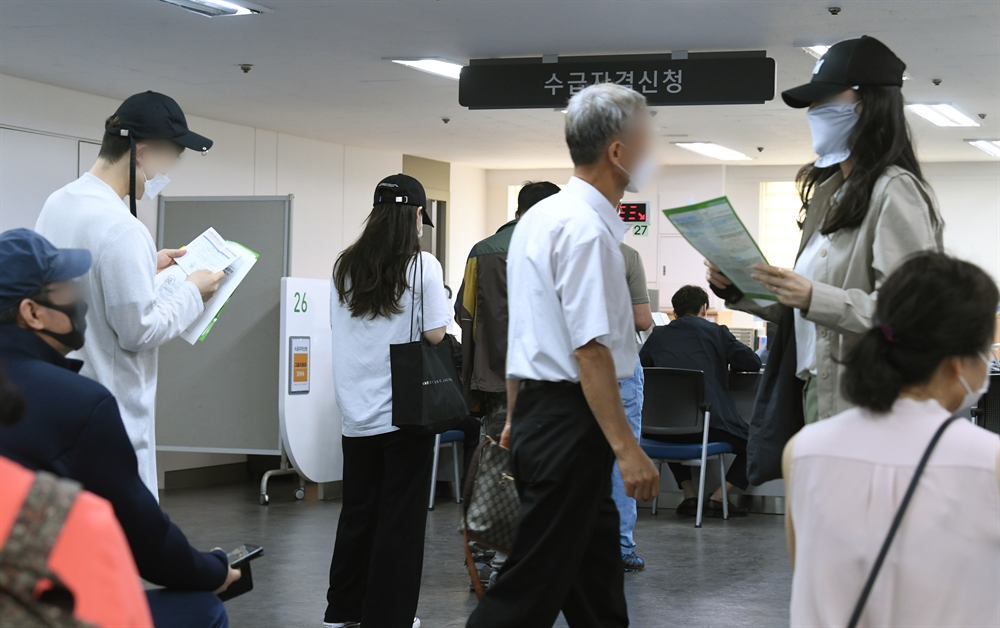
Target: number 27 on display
x=300 y=303
x=640 y=230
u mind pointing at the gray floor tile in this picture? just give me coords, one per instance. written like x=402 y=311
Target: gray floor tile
x=733 y=573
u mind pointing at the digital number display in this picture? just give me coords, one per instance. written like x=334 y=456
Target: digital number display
x=634 y=212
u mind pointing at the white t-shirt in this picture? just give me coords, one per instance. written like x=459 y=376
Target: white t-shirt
x=362 y=376
x=805 y=331
x=127 y=321
x=566 y=286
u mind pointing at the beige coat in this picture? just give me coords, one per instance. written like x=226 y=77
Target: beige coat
x=902 y=220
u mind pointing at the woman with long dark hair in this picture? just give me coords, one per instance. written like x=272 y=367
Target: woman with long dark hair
x=385 y=291
x=926 y=358
x=865 y=208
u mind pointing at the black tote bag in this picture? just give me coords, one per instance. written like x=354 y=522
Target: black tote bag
x=426 y=389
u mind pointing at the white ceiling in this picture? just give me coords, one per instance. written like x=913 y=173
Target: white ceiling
x=319 y=68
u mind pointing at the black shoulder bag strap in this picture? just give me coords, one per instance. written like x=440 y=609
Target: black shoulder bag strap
x=860 y=606
x=418 y=277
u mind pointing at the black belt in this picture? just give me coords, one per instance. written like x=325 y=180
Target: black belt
x=534 y=384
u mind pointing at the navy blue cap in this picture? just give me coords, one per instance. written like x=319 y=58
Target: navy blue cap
x=28 y=262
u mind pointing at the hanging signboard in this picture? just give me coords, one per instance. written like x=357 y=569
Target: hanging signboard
x=700 y=79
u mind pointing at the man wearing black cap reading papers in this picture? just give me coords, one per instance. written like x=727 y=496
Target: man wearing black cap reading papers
x=127 y=321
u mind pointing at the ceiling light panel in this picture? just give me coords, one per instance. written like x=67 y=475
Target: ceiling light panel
x=218 y=8
x=990 y=147
x=942 y=115
x=715 y=151
x=433 y=66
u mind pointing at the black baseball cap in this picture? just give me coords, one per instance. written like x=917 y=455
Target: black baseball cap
x=28 y=261
x=852 y=62
x=155 y=116
x=402 y=189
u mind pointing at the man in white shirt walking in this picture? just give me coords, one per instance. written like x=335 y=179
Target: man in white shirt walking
x=571 y=338
x=127 y=321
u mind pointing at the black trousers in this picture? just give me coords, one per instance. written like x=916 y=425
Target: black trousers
x=379 y=554
x=566 y=553
x=737 y=474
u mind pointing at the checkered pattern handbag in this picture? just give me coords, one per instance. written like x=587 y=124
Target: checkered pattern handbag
x=490 y=503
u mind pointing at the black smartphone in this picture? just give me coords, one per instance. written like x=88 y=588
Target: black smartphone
x=240 y=559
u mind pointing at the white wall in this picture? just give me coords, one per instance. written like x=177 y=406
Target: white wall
x=42 y=127
x=969 y=197
x=499 y=181
x=467 y=219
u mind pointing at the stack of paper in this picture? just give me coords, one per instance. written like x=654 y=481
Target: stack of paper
x=715 y=231
x=208 y=251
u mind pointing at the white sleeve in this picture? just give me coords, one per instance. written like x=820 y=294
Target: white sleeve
x=126 y=272
x=437 y=307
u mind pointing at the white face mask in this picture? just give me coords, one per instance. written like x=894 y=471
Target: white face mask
x=972 y=396
x=641 y=174
x=831 y=126
x=153 y=186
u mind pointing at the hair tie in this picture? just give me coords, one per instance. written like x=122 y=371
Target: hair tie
x=887 y=332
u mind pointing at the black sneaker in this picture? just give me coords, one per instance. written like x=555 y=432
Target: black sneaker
x=631 y=562
x=486 y=576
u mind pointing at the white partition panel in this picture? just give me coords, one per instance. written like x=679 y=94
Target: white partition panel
x=32 y=166
x=307 y=409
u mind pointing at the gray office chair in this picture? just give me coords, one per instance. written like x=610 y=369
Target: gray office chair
x=453 y=438
x=674 y=404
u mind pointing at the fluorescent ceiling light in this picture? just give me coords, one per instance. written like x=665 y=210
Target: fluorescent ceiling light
x=816 y=51
x=433 y=66
x=714 y=151
x=218 y=8
x=942 y=115
x=991 y=147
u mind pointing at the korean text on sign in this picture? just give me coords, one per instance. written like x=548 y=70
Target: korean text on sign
x=649 y=82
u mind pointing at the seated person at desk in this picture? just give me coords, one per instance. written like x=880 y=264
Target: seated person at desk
x=691 y=341
x=72 y=427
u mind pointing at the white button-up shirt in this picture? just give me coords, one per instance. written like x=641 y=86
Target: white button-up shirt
x=566 y=286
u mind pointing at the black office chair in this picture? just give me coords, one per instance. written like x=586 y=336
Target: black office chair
x=986 y=414
x=674 y=403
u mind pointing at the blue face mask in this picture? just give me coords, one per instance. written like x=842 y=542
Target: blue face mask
x=831 y=126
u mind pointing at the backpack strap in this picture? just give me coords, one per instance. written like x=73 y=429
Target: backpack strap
x=26 y=552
